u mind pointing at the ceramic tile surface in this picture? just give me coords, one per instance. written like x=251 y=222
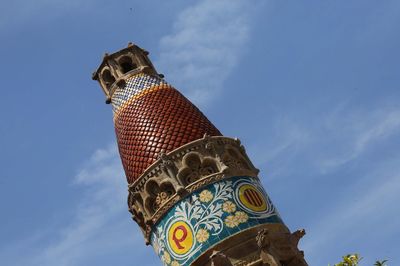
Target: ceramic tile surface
x=151 y=117
x=134 y=86
x=210 y=215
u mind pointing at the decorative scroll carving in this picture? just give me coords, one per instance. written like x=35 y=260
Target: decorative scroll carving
x=183 y=171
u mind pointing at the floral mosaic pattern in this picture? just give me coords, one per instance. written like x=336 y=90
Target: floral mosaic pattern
x=229 y=206
x=210 y=215
x=202 y=235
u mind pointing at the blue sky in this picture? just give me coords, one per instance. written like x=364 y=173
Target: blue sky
x=310 y=87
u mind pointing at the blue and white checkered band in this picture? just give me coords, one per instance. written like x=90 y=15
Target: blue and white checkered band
x=134 y=87
x=209 y=216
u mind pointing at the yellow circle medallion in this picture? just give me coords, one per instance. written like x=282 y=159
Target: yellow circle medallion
x=180 y=237
x=252 y=198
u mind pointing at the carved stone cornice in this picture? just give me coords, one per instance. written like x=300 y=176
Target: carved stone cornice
x=183 y=171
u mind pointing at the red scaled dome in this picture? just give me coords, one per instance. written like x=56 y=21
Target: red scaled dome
x=152 y=117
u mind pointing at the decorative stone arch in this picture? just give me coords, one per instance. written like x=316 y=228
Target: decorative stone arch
x=196 y=167
x=126 y=63
x=156 y=194
x=234 y=159
x=107 y=78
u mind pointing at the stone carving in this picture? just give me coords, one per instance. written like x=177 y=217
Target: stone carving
x=194 y=168
x=183 y=171
x=277 y=249
x=251 y=260
x=219 y=259
x=296 y=236
x=233 y=159
x=157 y=193
x=169 y=169
x=245 y=157
x=117 y=67
x=135 y=204
x=267 y=254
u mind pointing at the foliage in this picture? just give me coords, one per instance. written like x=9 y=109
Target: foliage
x=380 y=263
x=354 y=259
x=349 y=260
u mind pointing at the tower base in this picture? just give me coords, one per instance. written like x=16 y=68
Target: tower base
x=264 y=245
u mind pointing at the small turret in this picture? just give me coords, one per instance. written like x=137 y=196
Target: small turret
x=116 y=68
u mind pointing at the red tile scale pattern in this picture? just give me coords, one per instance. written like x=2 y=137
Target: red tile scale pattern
x=160 y=120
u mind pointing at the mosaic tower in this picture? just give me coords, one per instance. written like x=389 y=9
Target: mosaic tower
x=194 y=193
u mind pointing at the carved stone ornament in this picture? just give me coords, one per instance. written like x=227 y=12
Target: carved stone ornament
x=278 y=249
x=183 y=171
x=219 y=259
x=116 y=68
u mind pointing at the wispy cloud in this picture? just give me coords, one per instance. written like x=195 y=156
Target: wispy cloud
x=359 y=219
x=205 y=46
x=328 y=141
x=98 y=208
x=360 y=208
x=366 y=199
x=357 y=132
x=286 y=139
x=99 y=225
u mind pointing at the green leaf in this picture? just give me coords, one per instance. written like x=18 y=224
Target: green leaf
x=380 y=263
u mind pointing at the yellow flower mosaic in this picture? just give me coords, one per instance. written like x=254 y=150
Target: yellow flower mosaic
x=166 y=257
x=241 y=217
x=175 y=263
x=228 y=206
x=231 y=221
x=206 y=196
x=202 y=235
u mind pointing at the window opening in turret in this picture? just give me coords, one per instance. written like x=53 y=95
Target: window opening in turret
x=108 y=78
x=126 y=64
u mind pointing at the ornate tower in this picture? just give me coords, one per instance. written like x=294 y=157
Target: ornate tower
x=194 y=193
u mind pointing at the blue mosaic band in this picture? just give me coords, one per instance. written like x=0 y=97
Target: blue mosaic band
x=210 y=215
x=135 y=86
